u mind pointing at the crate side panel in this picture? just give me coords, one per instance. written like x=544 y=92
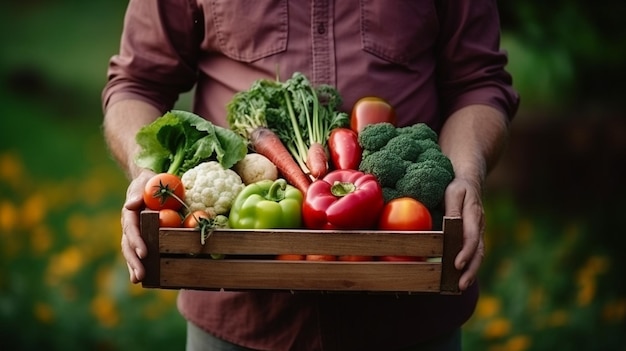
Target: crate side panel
x=149 y=222
x=373 y=243
x=453 y=243
x=300 y=275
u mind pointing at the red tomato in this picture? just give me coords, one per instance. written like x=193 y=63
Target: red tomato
x=191 y=220
x=164 y=190
x=371 y=109
x=404 y=213
x=355 y=258
x=169 y=218
x=345 y=151
x=321 y=258
x=290 y=257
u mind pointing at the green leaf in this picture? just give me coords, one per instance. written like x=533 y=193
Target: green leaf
x=180 y=140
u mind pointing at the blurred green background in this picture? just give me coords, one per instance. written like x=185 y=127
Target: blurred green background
x=553 y=277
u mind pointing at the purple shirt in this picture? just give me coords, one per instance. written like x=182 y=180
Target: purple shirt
x=428 y=58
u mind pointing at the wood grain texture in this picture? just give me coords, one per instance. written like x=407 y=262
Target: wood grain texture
x=177 y=259
x=271 y=242
x=149 y=222
x=300 y=275
x=452 y=244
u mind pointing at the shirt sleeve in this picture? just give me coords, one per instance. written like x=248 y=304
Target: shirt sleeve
x=471 y=66
x=158 y=53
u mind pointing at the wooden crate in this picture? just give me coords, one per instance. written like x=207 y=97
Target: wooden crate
x=177 y=259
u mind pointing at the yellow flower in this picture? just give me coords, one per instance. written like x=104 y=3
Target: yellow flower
x=497 y=328
x=65 y=263
x=43 y=312
x=167 y=296
x=518 y=343
x=11 y=168
x=92 y=189
x=136 y=290
x=33 y=210
x=488 y=306
x=586 y=292
x=536 y=298
x=103 y=278
x=614 y=311
x=558 y=318
x=586 y=278
x=598 y=264
x=105 y=311
x=164 y=302
x=40 y=239
x=78 y=226
x=8 y=217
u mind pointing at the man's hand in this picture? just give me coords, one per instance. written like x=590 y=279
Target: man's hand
x=133 y=247
x=122 y=121
x=463 y=199
x=473 y=138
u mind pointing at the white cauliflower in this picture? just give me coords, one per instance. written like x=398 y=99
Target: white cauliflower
x=211 y=187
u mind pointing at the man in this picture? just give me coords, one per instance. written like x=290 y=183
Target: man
x=435 y=61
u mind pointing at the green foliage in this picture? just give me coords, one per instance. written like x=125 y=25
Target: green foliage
x=180 y=140
x=550 y=282
x=564 y=52
x=63 y=284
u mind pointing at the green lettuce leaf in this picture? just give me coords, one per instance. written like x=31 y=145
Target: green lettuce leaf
x=180 y=140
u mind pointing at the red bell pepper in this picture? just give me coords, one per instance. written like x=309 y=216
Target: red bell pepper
x=343 y=199
x=344 y=149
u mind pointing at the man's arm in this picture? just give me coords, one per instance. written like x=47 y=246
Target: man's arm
x=473 y=138
x=121 y=123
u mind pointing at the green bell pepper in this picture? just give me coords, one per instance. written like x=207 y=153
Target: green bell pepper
x=267 y=204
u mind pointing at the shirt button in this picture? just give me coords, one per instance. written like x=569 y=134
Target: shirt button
x=321 y=28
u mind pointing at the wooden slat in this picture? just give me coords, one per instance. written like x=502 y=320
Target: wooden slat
x=149 y=222
x=373 y=243
x=453 y=242
x=300 y=275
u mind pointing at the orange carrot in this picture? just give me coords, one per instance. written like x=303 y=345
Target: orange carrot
x=265 y=142
x=317 y=160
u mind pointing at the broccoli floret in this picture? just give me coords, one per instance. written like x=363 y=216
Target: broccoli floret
x=406 y=161
x=426 y=182
x=390 y=194
x=374 y=136
x=385 y=165
x=419 y=131
x=436 y=156
x=405 y=147
x=426 y=144
x=366 y=153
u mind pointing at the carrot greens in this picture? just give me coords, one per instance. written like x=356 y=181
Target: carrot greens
x=300 y=114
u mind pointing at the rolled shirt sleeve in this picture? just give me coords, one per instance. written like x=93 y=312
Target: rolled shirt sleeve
x=471 y=64
x=158 y=54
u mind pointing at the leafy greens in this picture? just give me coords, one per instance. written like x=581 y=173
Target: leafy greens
x=298 y=112
x=180 y=140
